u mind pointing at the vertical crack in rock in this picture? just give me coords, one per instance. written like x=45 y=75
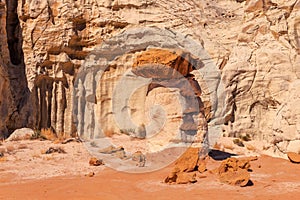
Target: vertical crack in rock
x=13 y=31
x=15 y=93
x=297 y=35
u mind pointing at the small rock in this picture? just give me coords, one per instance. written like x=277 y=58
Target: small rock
x=1 y=154
x=91 y=174
x=294 y=157
x=244 y=164
x=172 y=176
x=55 y=150
x=95 y=162
x=140 y=158
x=111 y=149
x=120 y=154
x=71 y=140
x=201 y=166
x=181 y=177
x=21 y=134
x=184 y=178
x=141 y=132
x=238 y=142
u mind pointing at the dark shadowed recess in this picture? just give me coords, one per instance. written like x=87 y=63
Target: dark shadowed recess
x=16 y=69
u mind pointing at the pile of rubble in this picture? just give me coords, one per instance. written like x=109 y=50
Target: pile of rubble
x=189 y=168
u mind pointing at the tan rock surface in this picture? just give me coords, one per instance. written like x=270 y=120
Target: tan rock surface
x=254 y=43
x=21 y=134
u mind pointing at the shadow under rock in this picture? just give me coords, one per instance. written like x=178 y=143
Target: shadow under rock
x=250 y=183
x=219 y=155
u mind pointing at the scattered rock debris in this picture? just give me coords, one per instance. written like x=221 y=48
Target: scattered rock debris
x=189 y=168
x=238 y=142
x=111 y=149
x=55 y=150
x=118 y=152
x=96 y=162
x=178 y=177
x=72 y=140
x=91 y=174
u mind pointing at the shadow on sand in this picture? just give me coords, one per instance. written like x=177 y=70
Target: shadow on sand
x=219 y=155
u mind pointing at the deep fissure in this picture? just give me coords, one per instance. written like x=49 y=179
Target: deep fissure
x=16 y=69
x=13 y=31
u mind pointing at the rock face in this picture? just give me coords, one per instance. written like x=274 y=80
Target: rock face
x=13 y=86
x=160 y=105
x=254 y=43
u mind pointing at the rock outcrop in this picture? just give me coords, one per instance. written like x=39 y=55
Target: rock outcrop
x=234 y=172
x=254 y=43
x=186 y=168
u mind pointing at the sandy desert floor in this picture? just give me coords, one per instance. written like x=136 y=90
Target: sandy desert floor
x=26 y=172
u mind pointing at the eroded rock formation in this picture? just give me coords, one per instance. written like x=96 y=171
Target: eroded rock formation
x=186 y=168
x=234 y=171
x=254 y=43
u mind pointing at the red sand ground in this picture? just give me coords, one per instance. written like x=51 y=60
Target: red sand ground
x=273 y=178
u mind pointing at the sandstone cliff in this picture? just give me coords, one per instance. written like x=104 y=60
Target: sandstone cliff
x=255 y=44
